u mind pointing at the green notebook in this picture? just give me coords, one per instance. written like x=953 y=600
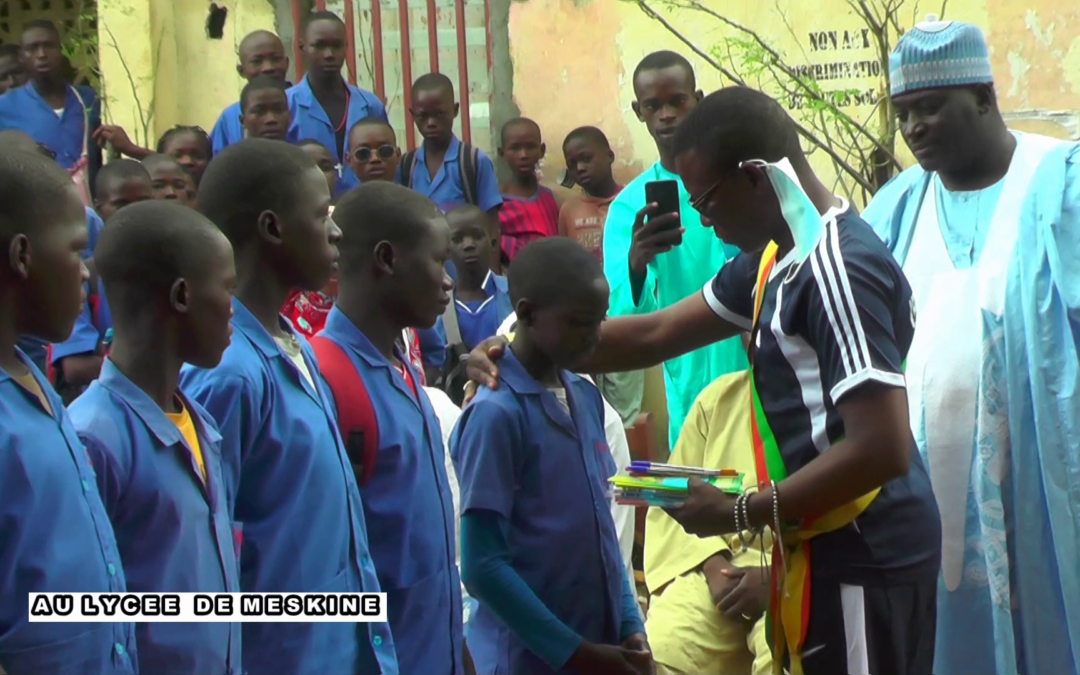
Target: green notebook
x=728 y=484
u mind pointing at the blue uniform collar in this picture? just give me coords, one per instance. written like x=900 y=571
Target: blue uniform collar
x=166 y=433
x=518 y=380
x=342 y=330
x=451 y=155
x=32 y=92
x=249 y=326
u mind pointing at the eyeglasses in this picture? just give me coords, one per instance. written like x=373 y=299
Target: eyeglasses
x=364 y=155
x=701 y=201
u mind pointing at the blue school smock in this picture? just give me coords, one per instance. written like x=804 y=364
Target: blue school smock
x=89 y=330
x=295 y=501
x=309 y=120
x=479 y=321
x=174 y=531
x=23 y=108
x=56 y=539
x=227 y=130
x=519 y=454
x=445 y=188
x=37 y=349
x=94 y=225
x=410 y=510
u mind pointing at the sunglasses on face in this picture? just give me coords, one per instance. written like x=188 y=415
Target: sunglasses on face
x=364 y=155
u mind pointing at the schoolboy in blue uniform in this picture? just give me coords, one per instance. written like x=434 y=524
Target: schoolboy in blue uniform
x=52 y=111
x=481 y=297
x=394 y=246
x=538 y=543
x=261 y=54
x=55 y=533
x=156 y=453
x=296 y=502
x=435 y=171
x=323 y=105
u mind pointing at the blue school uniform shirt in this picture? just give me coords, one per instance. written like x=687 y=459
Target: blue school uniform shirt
x=295 y=498
x=410 y=510
x=445 y=188
x=90 y=328
x=174 y=531
x=23 y=108
x=478 y=320
x=520 y=455
x=309 y=120
x=56 y=539
x=85 y=328
x=228 y=130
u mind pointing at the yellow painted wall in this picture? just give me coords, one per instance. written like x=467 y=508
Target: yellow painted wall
x=160 y=69
x=573 y=59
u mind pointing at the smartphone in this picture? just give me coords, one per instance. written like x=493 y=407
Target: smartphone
x=664 y=193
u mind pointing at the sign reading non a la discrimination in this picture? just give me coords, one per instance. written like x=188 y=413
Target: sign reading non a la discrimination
x=208 y=607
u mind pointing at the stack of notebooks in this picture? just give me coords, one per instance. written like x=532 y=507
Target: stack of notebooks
x=665 y=485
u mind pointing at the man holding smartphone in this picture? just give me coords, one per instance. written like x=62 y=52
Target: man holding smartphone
x=655 y=250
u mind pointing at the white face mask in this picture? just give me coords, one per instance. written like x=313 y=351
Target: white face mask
x=799 y=212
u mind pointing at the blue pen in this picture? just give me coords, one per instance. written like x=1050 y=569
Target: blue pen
x=658 y=468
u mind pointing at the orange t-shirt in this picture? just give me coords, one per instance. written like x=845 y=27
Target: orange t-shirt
x=582 y=218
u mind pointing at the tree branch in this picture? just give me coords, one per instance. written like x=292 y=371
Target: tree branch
x=789 y=72
x=655 y=16
x=806 y=133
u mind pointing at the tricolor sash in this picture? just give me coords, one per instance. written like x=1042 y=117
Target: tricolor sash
x=789 y=606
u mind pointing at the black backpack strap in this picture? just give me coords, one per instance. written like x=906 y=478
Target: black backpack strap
x=407 y=163
x=468 y=159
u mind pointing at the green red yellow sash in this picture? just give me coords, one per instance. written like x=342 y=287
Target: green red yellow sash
x=789 y=606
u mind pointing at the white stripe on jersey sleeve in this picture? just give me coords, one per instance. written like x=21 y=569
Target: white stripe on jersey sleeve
x=722 y=311
x=836 y=302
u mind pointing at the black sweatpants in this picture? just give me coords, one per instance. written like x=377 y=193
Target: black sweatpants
x=870 y=630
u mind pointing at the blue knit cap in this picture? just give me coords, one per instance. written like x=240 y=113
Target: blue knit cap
x=939 y=54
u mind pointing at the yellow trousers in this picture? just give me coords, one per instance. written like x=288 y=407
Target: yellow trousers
x=688 y=635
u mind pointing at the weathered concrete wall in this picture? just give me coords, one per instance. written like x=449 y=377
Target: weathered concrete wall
x=572 y=59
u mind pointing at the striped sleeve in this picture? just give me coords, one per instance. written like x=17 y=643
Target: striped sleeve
x=854 y=299
x=731 y=292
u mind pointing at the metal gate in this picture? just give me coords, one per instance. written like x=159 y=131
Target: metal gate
x=395 y=41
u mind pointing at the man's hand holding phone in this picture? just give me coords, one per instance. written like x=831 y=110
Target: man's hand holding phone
x=654 y=233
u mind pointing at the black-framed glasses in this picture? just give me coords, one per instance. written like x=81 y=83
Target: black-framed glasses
x=363 y=155
x=698 y=203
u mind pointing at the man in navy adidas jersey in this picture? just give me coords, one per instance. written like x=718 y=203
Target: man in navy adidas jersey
x=834 y=325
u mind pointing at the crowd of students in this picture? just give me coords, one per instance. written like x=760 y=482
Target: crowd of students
x=241 y=362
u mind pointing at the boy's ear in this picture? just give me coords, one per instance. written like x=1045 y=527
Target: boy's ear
x=240 y=69
x=637 y=110
x=524 y=311
x=179 y=296
x=269 y=227
x=241 y=120
x=543 y=150
x=699 y=94
x=611 y=156
x=385 y=257
x=457 y=108
x=19 y=256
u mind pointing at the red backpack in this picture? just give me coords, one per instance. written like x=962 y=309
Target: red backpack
x=356 y=415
